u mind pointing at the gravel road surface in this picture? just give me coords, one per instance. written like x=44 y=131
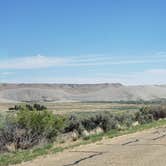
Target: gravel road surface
x=146 y=148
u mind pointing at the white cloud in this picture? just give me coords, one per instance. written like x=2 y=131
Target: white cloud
x=157 y=72
x=6 y=73
x=40 y=61
x=149 y=76
x=132 y=78
x=32 y=62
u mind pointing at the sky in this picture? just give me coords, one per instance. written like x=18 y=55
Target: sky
x=83 y=41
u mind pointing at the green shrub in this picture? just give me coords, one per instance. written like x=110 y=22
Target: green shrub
x=2 y=121
x=43 y=123
x=73 y=123
x=90 y=121
x=32 y=124
x=27 y=128
x=29 y=107
x=125 y=119
x=148 y=114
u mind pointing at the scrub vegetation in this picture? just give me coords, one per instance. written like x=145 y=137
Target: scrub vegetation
x=32 y=131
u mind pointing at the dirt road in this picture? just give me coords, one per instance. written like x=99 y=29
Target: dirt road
x=147 y=148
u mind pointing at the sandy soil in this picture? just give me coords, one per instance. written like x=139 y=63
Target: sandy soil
x=147 y=148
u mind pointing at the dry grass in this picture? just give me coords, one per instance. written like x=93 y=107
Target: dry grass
x=70 y=107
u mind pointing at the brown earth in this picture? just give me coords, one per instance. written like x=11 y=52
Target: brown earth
x=147 y=148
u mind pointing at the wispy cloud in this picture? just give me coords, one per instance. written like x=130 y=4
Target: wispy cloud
x=6 y=73
x=32 y=62
x=77 y=69
x=150 y=76
x=157 y=72
x=40 y=61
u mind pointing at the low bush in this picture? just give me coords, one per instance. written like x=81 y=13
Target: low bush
x=108 y=121
x=31 y=125
x=148 y=114
x=29 y=107
x=126 y=119
x=90 y=121
x=26 y=128
x=2 y=121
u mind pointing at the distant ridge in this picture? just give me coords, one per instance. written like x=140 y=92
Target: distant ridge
x=79 y=92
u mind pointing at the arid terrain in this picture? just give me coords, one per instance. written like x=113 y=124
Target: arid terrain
x=82 y=82
x=146 y=148
x=78 y=92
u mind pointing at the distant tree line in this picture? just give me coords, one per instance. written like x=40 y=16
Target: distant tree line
x=29 y=107
x=140 y=101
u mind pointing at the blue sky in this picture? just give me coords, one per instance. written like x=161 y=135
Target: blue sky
x=83 y=41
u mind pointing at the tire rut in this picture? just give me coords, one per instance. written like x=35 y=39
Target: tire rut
x=159 y=137
x=130 y=142
x=95 y=153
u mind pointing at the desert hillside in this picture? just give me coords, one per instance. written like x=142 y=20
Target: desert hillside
x=79 y=92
